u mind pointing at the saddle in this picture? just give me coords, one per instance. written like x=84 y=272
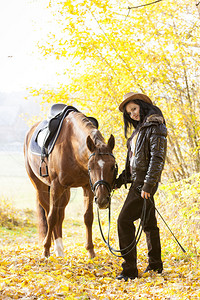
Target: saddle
x=47 y=132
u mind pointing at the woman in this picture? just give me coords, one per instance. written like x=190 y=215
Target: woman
x=144 y=165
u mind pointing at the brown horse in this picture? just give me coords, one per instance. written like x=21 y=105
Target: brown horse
x=80 y=158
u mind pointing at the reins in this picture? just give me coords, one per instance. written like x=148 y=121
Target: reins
x=135 y=241
x=168 y=227
x=138 y=233
x=143 y=216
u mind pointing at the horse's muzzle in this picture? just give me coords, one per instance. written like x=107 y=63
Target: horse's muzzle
x=102 y=203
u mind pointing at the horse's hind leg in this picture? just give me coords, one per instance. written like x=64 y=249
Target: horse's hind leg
x=88 y=219
x=42 y=220
x=42 y=201
x=58 y=243
x=56 y=193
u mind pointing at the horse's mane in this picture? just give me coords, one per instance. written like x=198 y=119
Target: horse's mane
x=94 y=133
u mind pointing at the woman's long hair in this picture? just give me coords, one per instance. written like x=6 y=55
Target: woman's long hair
x=146 y=109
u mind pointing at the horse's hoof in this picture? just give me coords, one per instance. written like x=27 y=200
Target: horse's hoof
x=46 y=253
x=59 y=253
x=91 y=253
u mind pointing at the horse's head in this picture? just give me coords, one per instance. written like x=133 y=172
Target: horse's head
x=102 y=170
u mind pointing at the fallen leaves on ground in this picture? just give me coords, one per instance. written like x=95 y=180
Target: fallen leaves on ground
x=24 y=274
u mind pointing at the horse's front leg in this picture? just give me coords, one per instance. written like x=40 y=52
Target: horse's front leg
x=55 y=196
x=88 y=219
x=58 y=242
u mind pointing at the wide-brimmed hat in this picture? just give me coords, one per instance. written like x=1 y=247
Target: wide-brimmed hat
x=133 y=96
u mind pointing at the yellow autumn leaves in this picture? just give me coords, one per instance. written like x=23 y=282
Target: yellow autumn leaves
x=25 y=275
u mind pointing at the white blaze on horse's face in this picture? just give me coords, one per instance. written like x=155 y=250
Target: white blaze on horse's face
x=101 y=165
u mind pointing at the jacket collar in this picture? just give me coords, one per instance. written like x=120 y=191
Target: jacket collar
x=153 y=119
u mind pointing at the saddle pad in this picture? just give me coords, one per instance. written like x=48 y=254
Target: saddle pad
x=37 y=140
x=34 y=146
x=41 y=137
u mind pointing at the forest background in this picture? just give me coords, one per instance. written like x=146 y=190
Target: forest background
x=108 y=50
x=111 y=50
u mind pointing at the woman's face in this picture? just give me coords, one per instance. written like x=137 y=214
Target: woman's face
x=133 y=110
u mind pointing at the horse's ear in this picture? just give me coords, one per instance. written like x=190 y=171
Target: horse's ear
x=90 y=144
x=111 y=142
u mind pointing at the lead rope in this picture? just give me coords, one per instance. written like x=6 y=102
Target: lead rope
x=139 y=231
x=167 y=226
x=135 y=241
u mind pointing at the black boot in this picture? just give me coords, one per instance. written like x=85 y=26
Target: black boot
x=158 y=270
x=125 y=277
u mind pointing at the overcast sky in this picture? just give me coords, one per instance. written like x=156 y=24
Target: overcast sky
x=22 y=24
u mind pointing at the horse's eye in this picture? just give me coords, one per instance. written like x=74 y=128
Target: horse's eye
x=112 y=168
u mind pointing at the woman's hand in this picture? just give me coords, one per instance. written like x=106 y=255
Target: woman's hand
x=120 y=180
x=145 y=195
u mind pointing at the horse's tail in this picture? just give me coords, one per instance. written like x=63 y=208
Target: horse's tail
x=42 y=222
x=42 y=192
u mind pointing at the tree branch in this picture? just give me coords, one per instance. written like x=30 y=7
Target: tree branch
x=144 y=4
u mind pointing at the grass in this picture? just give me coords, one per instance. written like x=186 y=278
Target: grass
x=14 y=182
x=18 y=231
x=18 y=189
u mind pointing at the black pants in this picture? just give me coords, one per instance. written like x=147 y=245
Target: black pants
x=130 y=212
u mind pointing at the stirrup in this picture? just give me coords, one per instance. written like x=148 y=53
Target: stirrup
x=46 y=167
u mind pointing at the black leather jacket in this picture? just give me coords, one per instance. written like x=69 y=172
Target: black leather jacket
x=150 y=153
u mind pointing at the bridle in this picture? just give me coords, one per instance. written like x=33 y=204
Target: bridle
x=102 y=181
